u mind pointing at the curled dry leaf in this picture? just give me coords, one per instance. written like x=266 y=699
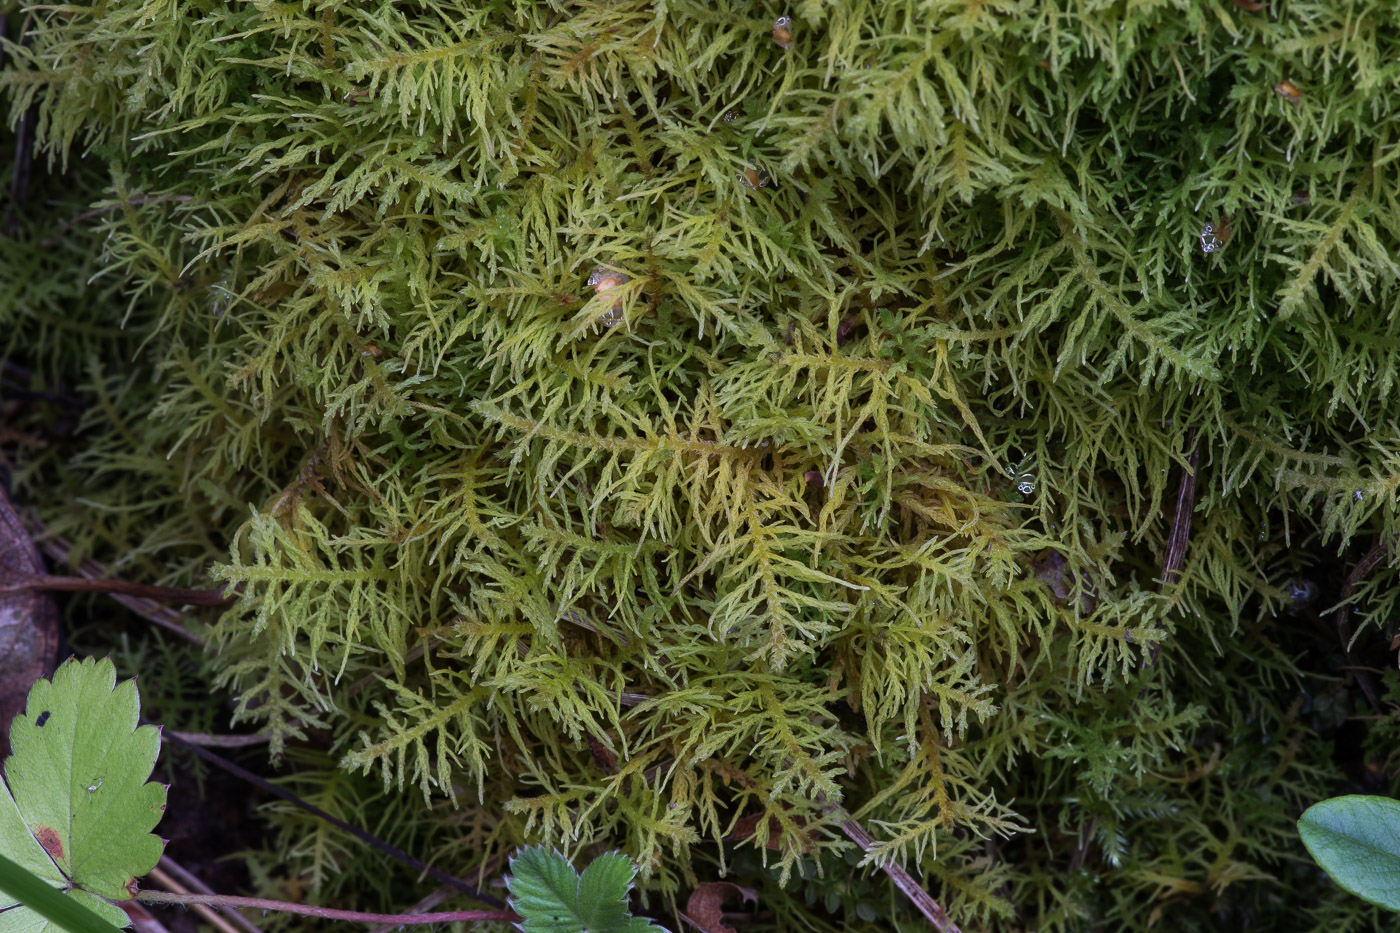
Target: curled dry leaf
x=601 y=756
x=746 y=827
x=705 y=908
x=28 y=620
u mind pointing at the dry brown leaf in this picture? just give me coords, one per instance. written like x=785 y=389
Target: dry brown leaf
x=28 y=621
x=705 y=908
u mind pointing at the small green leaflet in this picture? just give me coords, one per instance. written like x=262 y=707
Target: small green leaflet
x=553 y=898
x=1356 y=840
x=75 y=806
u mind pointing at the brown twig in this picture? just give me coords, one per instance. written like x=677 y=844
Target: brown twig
x=24 y=156
x=931 y=909
x=490 y=867
x=108 y=208
x=1181 y=517
x=1081 y=846
x=58 y=550
x=142 y=920
x=329 y=913
x=163 y=594
x=360 y=834
x=14 y=374
x=221 y=741
x=1340 y=618
x=1180 y=535
x=187 y=881
x=173 y=886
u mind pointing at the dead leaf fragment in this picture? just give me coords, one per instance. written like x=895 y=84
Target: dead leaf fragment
x=1051 y=568
x=705 y=908
x=601 y=756
x=28 y=620
x=746 y=827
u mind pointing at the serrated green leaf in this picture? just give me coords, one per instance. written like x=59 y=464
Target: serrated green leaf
x=1356 y=840
x=75 y=807
x=553 y=898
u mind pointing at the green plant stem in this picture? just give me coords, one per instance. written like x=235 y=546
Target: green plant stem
x=329 y=913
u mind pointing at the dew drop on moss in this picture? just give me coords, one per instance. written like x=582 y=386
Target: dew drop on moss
x=1209 y=241
x=1301 y=593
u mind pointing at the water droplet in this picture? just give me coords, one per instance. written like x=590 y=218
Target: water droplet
x=1358 y=496
x=753 y=178
x=1301 y=593
x=1209 y=241
x=782 y=32
x=604 y=280
x=1025 y=484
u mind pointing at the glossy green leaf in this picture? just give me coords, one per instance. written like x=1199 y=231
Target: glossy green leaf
x=552 y=898
x=1356 y=840
x=76 y=808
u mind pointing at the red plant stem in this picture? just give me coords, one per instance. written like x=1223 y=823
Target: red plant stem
x=357 y=832
x=329 y=913
x=164 y=594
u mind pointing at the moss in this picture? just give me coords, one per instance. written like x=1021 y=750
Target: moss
x=855 y=484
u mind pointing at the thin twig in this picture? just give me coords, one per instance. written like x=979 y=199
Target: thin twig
x=108 y=208
x=24 y=155
x=192 y=882
x=221 y=741
x=170 y=884
x=329 y=913
x=1181 y=517
x=142 y=920
x=1180 y=535
x=163 y=594
x=1340 y=618
x=360 y=834
x=15 y=374
x=488 y=867
x=931 y=909
x=58 y=550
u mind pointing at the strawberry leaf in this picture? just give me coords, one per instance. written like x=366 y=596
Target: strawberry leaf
x=75 y=807
x=552 y=898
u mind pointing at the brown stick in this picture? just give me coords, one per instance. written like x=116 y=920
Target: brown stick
x=208 y=913
x=58 y=550
x=931 y=909
x=164 y=594
x=1340 y=619
x=221 y=741
x=1181 y=517
x=490 y=867
x=1180 y=534
x=385 y=847
x=98 y=211
x=185 y=881
x=329 y=913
